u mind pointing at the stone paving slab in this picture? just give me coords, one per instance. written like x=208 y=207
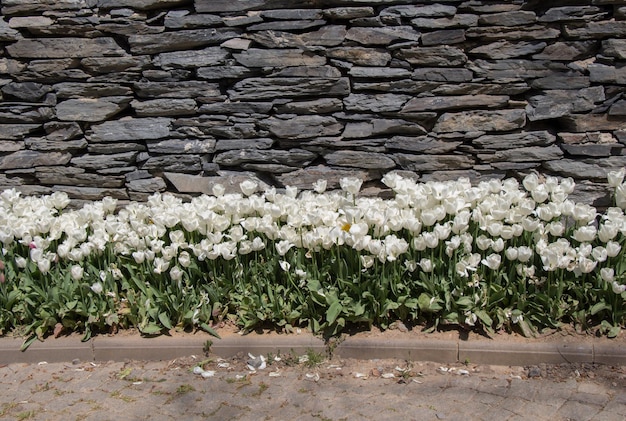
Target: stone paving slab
x=335 y=389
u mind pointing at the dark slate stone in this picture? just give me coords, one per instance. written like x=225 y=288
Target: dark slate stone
x=405 y=86
x=375 y=103
x=115 y=64
x=17 y=131
x=147 y=185
x=27 y=91
x=360 y=56
x=476 y=88
x=561 y=81
x=423 y=144
x=8 y=34
x=414 y=11
x=129 y=28
x=443 y=74
x=90 y=109
x=256 y=57
x=379 y=72
x=139 y=4
x=236 y=108
x=327 y=36
x=455 y=102
x=92 y=193
x=174 y=163
x=186 y=89
x=192 y=58
x=45 y=144
x=345 y=13
x=237 y=144
x=592 y=122
x=512 y=33
x=596 y=151
x=614 y=48
x=572 y=13
x=514 y=69
x=64 y=47
x=179 y=40
x=175 y=20
x=479 y=6
x=164 y=107
x=358 y=159
x=618 y=109
x=379 y=126
x=104 y=161
x=512 y=18
x=429 y=163
x=76 y=177
x=302 y=127
x=224 y=72
x=506 y=49
x=130 y=129
x=587 y=169
x=307 y=71
x=292 y=14
x=292 y=157
x=316 y=106
x=478 y=120
x=558 y=103
x=286 y=25
x=89 y=90
x=443 y=37
x=607 y=74
x=25 y=114
x=182 y=146
x=32 y=159
x=567 y=51
x=527 y=154
x=456 y=21
x=522 y=139
x=591 y=30
x=293 y=87
x=443 y=56
x=382 y=36
x=9 y=146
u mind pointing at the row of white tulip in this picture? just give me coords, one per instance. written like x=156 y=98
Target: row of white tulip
x=533 y=228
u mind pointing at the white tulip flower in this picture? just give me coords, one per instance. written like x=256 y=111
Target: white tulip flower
x=248 y=187
x=615 y=178
x=511 y=253
x=76 y=272
x=218 y=190
x=97 y=288
x=285 y=266
x=351 y=185
x=367 y=261
x=585 y=233
x=607 y=274
x=426 y=265
x=524 y=253
x=613 y=248
x=492 y=261
x=618 y=288
x=176 y=273
x=283 y=246
x=320 y=186
x=160 y=265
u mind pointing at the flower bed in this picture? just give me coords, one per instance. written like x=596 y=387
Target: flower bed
x=498 y=255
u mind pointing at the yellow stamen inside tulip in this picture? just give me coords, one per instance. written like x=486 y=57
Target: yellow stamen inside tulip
x=346 y=227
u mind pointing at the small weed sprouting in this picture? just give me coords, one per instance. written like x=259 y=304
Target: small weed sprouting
x=313 y=358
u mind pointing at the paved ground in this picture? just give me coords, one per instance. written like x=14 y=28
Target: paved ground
x=295 y=389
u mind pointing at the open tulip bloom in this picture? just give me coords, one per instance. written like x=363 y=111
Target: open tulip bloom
x=496 y=255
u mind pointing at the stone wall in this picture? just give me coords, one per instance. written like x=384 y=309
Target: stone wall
x=124 y=98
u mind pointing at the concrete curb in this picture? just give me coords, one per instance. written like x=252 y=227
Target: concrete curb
x=122 y=348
